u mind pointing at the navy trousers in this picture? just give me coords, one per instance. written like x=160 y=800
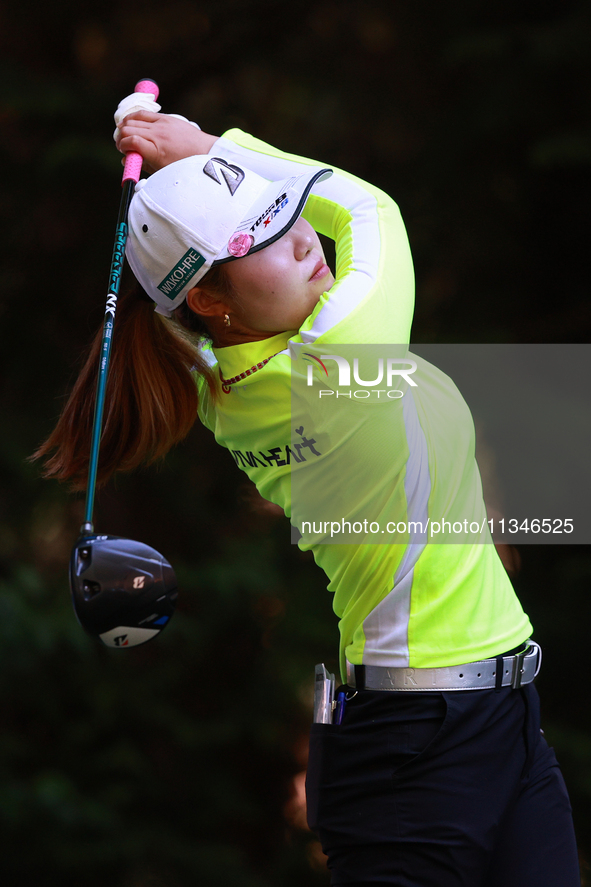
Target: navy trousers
x=441 y=790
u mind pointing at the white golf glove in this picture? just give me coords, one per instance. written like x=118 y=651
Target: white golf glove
x=140 y=101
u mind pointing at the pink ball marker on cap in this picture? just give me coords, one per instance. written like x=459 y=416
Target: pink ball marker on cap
x=239 y=244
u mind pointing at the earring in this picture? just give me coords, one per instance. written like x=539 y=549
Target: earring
x=226 y=320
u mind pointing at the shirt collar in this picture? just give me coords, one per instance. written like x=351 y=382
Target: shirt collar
x=236 y=359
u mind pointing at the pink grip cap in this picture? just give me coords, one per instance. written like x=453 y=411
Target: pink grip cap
x=133 y=161
x=147 y=86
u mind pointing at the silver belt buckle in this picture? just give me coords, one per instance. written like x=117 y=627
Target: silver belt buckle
x=518 y=669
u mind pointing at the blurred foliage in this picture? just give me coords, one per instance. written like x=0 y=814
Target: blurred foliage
x=173 y=764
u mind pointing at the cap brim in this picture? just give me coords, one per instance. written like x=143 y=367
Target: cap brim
x=275 y=211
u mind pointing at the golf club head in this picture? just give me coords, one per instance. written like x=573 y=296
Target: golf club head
x=123 y=592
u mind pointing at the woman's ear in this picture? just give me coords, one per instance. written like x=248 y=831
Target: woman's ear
x=201 y=302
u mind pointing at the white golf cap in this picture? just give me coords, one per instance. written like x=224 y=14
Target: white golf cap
x=202 y=211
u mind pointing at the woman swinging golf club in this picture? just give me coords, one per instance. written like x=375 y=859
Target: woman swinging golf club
x=433 y=772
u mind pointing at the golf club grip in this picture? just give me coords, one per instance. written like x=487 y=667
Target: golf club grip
x=133 y=161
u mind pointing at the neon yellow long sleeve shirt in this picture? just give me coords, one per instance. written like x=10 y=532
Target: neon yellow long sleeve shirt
x=410 y=601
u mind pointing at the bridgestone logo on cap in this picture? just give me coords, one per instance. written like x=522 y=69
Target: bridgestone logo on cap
x=182 y=272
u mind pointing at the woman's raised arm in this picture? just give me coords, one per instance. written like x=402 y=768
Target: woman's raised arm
x=161 y=138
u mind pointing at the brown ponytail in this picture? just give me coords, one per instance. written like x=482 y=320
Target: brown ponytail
x=151 y=398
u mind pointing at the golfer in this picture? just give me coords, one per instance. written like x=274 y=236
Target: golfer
x=434 y=771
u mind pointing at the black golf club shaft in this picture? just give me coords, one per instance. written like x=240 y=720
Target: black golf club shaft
x=130 y=177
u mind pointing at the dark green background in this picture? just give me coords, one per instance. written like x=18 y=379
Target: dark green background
x=171 y=764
